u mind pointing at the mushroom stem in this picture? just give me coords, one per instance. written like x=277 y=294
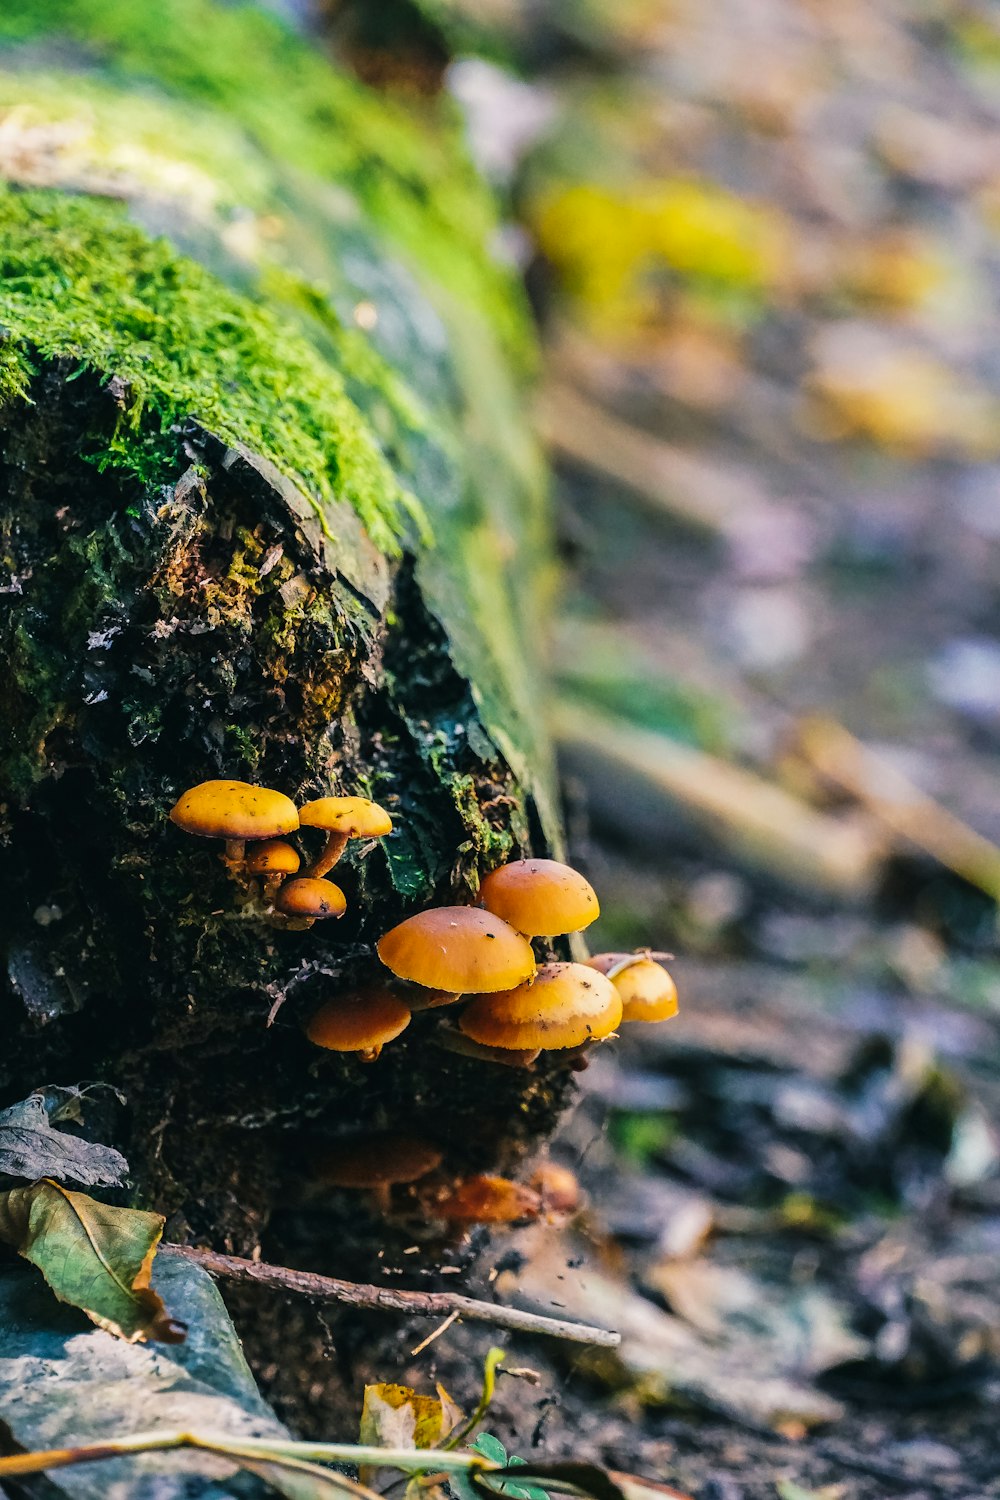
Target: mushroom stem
x=336 y=843
x=381 y=1198
x=234 y=856
x=272 y=884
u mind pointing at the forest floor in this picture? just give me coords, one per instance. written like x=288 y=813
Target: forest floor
x=793 y=1189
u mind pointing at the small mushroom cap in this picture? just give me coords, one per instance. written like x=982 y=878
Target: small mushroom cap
x=487 y=1200
x=357 y=817
x=273 y=857
x=540 y=897
x=648 y=992
x=378 y=1159
x=360 y=1021
x=567 y=1005
x=457 y=948
x=557 y=1187
x=309 y=897
x=234 y=810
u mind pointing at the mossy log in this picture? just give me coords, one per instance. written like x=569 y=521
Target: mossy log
x=269 y=510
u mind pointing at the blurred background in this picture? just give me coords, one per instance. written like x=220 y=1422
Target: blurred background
x=762 y=241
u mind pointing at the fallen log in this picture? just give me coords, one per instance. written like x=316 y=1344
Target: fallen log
x=270 y=511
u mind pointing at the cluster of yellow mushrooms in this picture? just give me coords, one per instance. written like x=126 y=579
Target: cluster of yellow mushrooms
x=242 y=814
x=516 y=1008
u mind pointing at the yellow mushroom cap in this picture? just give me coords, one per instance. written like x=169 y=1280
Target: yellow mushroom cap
x=648 y=992
x=234 y=810
x=487 y=1200
x=359 y=1021
x=357 y=817
x=310 y=897
x=540 y=897
x=378 y=1159
x=273 y=857
x=567 y=1005
x=457 y=948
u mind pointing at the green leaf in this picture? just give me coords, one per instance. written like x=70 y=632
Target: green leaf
x=490 y=1447
x=95 y=1257
x=30 y=1146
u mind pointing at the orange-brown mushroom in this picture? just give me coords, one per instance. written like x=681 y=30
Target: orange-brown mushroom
x=376 y=1162
x=234 y=811
x=274 y=859
x=361 y=1021
x=456 y=949
x=558 y=1189
x=484 y=1199
x=310 y=899
x=540 y=897
x=567 y=1005
x=648 y=992
x=343 y=818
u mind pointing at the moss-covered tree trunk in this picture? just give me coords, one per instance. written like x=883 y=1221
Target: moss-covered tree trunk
x=268 y=511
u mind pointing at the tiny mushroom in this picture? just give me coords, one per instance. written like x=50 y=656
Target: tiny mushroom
x=274 y=859
x=455 y=949
x=558 y=1189
x=361 y=1021
x=310 y=899
x=377 y=1162
x=485 y=1199
x=540 y=897
x=237 y=812
x=567 y=1005
x=343 y=818
x=648 y=992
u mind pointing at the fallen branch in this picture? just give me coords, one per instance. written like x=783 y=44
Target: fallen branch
x=897 y=802
x=642 y=780
x=417 y=1304
x=671 y=481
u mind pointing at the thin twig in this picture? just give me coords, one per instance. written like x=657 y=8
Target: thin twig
x=417 y=1304
x=441 y=1328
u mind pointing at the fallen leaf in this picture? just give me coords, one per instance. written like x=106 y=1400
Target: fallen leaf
x=64 y=1383
x=800 y=1330
x=30 y=1146
x=664 y=1357
x=634 y=1488
x=95 y=1257
x=396 y=1416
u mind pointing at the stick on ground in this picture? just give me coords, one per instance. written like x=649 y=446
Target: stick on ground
x=417 y=1304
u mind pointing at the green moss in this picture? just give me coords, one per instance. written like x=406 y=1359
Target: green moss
x=79 y=282
x=296 y=189
x=408 y=171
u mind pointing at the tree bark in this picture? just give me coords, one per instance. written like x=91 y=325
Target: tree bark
x=270 y=511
